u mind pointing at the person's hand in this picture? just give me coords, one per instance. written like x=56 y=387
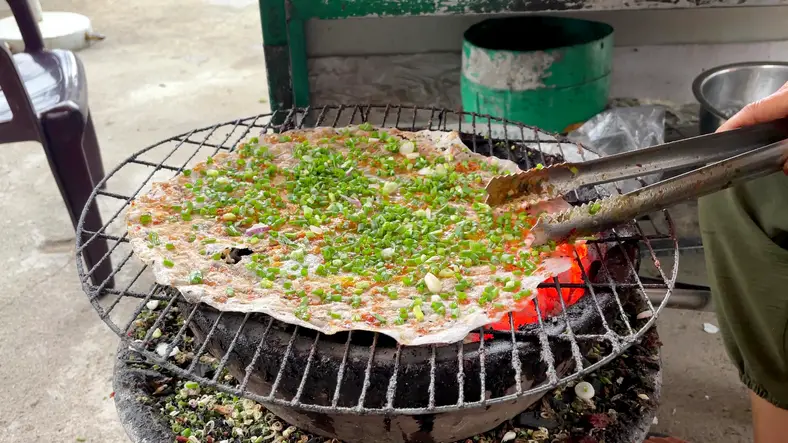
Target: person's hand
x=773 y=107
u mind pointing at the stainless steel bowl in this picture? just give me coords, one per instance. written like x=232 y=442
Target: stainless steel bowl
x=724 y=90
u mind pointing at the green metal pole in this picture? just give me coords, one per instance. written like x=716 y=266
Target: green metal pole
x=298 y=62
x=273 y=19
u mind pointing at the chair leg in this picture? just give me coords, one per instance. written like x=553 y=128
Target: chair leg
x=63 y=131
x=90 y=146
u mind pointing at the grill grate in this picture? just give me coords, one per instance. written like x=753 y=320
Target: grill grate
x=123 y=295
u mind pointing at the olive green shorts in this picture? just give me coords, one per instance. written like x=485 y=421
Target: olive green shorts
x=745 y=238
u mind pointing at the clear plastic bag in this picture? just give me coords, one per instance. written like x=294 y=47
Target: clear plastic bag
x=621 y=130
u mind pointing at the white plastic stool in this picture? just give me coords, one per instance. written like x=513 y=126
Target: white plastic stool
x=61 y=30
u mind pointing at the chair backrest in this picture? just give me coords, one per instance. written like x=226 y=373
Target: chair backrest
x=28 y=27
x=24 y=124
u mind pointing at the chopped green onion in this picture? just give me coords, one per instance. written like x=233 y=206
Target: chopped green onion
x=167 y=263
x=417 y=312
x=355 y=301
x=297 y=255
x=389 y=188
x=195 y=277
x=146 y=218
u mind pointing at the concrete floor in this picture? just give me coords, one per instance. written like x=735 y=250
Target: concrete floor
x=164 y=68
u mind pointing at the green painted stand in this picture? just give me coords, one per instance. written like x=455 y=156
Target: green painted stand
x=549 y=72
x=284 y=40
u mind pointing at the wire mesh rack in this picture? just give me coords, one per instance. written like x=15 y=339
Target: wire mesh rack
x=243 y=342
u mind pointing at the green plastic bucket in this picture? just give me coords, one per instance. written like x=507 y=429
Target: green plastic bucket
x=549 y=72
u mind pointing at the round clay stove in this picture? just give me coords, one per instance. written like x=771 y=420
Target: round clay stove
x=622 y=410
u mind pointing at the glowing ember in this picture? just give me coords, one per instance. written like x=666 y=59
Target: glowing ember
x=549 y=303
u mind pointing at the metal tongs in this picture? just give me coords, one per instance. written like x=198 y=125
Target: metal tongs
x=729 y=157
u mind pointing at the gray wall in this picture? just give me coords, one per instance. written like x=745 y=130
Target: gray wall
x=633 y=28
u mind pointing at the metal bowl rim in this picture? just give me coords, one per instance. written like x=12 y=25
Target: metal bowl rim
x=709 y=73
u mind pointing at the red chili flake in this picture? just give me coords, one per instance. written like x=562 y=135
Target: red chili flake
x=112 y=395
x=181 y=439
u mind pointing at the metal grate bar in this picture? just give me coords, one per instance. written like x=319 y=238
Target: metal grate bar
x=460 y=374
x=281 y=371
x=322 y=116
x=386 y=115
x=112 y=195
x=162 y=166
x=670 y=283
x=547 y=354
x=205 y=341
x=341 y=370
x=518 y=370
x=128 y=200
x=101 y=235
x=138 y=310
x=541 y=152
x=305 y=115
x=157 y=322
x=368 y=372
x=590 y=288
x=297 y=398
x=117 y=300
x=228 y=352
x=392 y=388
x=431 y=404
x=133 y=294
x=258 y=350
x=633 y=272
x=114 y=272
x=613 y=289
x=182 y=330
x=336 y=118
x=482 y=369
x=570 y=334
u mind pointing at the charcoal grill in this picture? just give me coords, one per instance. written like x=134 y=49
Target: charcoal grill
x=362 y=386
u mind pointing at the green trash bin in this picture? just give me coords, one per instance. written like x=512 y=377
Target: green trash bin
x=549 y=72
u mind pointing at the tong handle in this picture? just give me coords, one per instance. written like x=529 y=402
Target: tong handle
x=694 y=151
x=613 y=211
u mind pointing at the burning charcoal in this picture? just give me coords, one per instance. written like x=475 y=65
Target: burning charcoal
x=534 y=419
x=600 y=420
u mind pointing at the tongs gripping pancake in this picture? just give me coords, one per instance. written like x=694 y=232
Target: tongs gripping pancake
x=607 y=213
x=730 y=157
x=539 y=184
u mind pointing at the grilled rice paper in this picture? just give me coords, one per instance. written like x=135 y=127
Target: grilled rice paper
x=359 y=228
